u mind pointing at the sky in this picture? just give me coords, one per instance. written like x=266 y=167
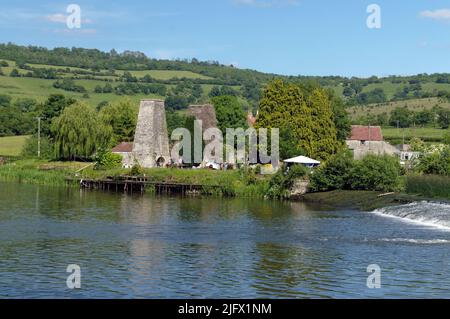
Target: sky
x=291 y=37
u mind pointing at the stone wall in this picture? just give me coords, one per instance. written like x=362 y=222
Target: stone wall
x=300 y=187
x=370 y=147
x=151 y=140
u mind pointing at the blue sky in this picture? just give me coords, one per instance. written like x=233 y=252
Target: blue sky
x=307 y=37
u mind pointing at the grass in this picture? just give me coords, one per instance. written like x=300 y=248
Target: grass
x=229 y=183
x=434 y=186
x=427 y=134
x=40 y=89
x=356 y=112
x=38 y=172
x=12 y=145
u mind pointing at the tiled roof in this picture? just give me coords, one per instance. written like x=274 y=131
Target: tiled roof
x=124 y=147
x=366 y=133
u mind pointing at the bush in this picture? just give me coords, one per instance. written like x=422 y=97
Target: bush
x=108 y=160
x=334 y=174
x=437 y=162
x=137 y=170
x=30 y=149
x=284 y=179
x=376 y=173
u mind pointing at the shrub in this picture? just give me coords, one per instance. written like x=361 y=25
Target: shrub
x=437 y=162
x=107 y=160
x=283 y=180
x=334 y=174
x=376 y=173
x=30 y=149
x=137 y=170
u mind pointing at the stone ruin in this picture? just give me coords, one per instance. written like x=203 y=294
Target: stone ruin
x=205 y=113
x=151 y=140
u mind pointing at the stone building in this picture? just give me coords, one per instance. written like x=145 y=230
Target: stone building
x=151 y=140
x=368 y=140
x=206 y=113
x=125 y=149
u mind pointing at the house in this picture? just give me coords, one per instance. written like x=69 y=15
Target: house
x=125 y=149
x=366 y=140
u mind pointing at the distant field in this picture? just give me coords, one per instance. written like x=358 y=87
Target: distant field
x=414 y=105
x=427 y=134
x=12 y=145
x=166 y=74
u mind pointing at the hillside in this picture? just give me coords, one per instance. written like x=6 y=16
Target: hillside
x=97 y=78
x=89 y=68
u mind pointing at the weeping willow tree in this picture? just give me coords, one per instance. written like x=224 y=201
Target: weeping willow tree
x=79 y=133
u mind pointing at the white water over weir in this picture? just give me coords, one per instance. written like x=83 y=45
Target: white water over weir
x=425 y=213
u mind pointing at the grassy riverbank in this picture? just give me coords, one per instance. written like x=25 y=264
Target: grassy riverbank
x=233 y=183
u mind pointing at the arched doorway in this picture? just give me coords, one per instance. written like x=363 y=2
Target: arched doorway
x=160 y=162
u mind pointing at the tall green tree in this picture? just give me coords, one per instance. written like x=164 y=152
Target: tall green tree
x=79 y=133
x=229 y=112
x=324 y=131
x=122 y=117
x=307 y=111
x=51 y=109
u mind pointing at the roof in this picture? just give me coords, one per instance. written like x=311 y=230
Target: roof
x=206 y=113
x=124 y=147
x=366 y=133
x=301 y=160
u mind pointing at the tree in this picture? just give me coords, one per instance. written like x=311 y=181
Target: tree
x=5 y=100
x=288 y=145
x=324 y=130
x=376 y=173
x=340 y=116
x=306 y=110
x=14 y=73
x=26 y=104
x=229 y=113
x=174 y=121
x=51 y=108
x=400 y=116
x=122 y=117
x=14 y=122
x=444 y=118
x=79 y=133
x=334 y=174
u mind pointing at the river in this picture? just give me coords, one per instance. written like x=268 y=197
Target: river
x=171 y=247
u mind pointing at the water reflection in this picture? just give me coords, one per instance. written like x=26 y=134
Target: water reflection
x=170 y=247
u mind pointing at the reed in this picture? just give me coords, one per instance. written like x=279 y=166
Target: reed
x=428 y=185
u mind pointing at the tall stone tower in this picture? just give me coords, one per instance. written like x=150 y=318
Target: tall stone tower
x=151 y=140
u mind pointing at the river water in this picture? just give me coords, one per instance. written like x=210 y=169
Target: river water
x=171 y=247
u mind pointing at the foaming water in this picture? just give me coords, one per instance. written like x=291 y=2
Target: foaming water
x=424 y=213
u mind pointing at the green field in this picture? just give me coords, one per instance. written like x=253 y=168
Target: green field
x=12 y=145
x=356 y=112
x=427 y=134
x=40 y=89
